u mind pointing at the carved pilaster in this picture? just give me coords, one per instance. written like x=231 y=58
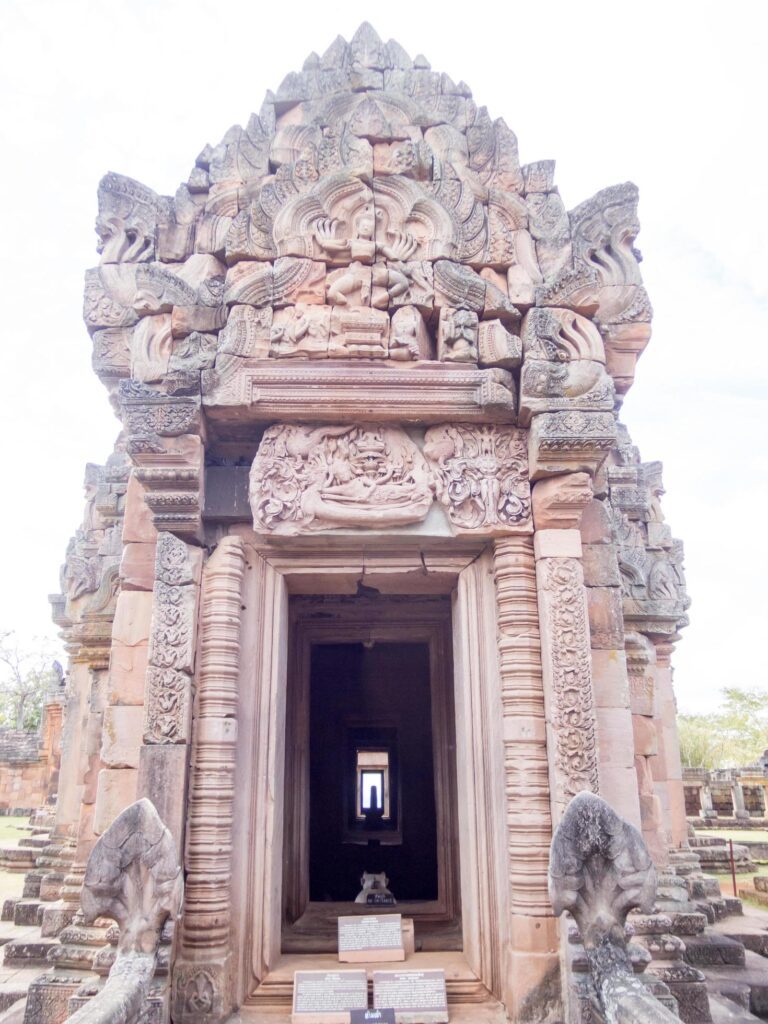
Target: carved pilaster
x=566 y=664
x=565 y=638
x=201 y=975
x=168 y=698
x=525 y=742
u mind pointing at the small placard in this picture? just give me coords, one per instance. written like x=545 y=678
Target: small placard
x=372 y=1017
x=418 y=997
x=328 y=997
x=380 y=899
x=371 y=937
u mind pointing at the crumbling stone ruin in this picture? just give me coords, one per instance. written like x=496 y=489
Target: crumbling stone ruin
x=371 y=512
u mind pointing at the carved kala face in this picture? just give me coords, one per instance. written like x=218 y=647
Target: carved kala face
x=370 y=465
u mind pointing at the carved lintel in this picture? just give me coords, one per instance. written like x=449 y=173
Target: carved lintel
x=259 y=393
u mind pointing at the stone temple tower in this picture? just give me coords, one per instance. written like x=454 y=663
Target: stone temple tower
x=375 y=581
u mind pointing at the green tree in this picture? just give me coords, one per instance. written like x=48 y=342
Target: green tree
x=26 y=677
x=735 y=735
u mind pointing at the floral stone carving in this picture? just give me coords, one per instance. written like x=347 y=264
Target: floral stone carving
x=564 y=623
x=480 y=475
x=309 y=478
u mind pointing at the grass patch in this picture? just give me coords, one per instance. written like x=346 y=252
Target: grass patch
x=13 y=828
x=738 y=835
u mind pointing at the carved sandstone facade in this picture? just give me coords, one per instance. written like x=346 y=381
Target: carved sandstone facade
x=368 y=370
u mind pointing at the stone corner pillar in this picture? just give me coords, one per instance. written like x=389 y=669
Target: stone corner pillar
x=565 y=648
x=202 y=972
x=534 y=934
x=667 y=767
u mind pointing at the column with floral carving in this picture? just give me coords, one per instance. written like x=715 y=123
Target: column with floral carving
x=565 y=648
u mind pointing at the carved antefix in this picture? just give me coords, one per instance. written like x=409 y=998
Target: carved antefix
x=480 y=475
x=309 y=478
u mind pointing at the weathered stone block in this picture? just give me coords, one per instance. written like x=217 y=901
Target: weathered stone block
x=557 y=544
x=121 y=736
x=497 y=346
x=650 y=812
x=614 y=730
x=601 y=567
x=606 y=617
x=162 y=778
x=609 y=678
x=127 y=671
x=206 y=319
x=646 y=739
x=137 y=521
x=133 y=615
x=596 y=523
x=137 y=566
x=558 y=502
x=116 y=791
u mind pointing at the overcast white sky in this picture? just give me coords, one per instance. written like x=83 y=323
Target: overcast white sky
x=670 y=95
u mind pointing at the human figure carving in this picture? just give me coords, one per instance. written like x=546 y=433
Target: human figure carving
x=360 y=245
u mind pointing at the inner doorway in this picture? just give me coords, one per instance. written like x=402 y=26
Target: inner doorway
x=371 y=777
x=370 y=785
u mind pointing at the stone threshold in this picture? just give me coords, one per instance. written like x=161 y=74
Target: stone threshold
x=488 y=1012
x=462 y=984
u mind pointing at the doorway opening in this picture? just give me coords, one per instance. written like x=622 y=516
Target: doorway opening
x=370 y=793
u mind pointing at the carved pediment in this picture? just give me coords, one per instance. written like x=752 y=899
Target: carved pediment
x=309 y=478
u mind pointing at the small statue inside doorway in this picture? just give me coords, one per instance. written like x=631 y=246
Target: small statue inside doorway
x=375 y=889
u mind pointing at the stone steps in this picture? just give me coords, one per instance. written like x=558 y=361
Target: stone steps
x=27 y=912
x=751 y=930
x=747 y=985
x=16 y=858
x=35 y=842
x=705 y=950
x=29 y=951
x=726 y=1011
